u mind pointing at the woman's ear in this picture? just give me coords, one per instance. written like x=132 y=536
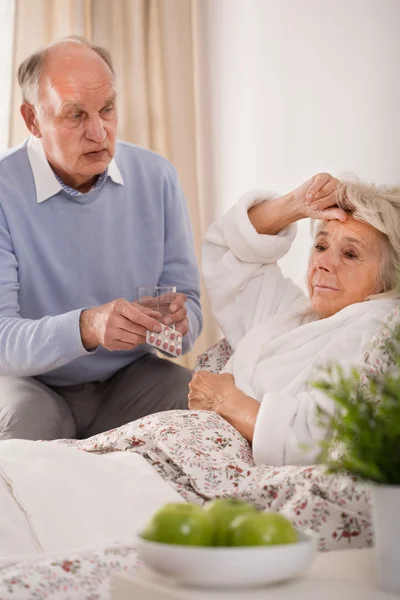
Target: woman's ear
x=29 y=115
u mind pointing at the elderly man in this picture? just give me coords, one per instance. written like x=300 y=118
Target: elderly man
x=84 y=221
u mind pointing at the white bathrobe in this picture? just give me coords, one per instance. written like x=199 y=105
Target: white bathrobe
x=279 y=342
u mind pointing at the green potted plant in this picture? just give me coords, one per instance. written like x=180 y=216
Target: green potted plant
x=365 y=442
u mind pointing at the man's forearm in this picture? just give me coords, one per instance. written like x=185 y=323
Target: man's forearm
x=32 y=347
x=89 y=339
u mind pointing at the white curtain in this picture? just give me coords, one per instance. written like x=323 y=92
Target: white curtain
x=155 y=50
x=6 y=62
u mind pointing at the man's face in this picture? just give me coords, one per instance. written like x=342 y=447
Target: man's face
x=77 y=119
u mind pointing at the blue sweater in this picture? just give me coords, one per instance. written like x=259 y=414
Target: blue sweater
x=69 y=253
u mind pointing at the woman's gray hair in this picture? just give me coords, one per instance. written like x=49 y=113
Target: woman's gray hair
x=380 y=208
x=31 y=68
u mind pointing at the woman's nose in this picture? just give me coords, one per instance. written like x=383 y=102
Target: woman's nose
x=325 y=261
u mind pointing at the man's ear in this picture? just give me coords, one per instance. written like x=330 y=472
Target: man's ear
x=29 y=115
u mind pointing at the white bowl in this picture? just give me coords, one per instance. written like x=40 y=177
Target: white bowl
x=229 y=567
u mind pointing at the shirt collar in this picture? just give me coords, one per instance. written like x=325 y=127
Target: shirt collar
x=46 y=182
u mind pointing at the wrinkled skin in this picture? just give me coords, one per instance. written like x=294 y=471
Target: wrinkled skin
x=344 y=265
x=75 y=115
x=218 y=393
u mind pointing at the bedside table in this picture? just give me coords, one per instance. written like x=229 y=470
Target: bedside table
x=342 y=575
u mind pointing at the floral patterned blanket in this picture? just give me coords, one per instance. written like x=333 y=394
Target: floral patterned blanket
x=202 y=457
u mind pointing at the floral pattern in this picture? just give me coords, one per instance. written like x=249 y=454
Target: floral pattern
x=204 y=457
x=215 y=358
x=377 y=357
x=78 y=576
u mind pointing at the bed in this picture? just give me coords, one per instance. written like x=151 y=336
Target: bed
x=60 y=538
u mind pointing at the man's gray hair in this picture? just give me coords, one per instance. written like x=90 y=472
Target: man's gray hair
x=31 y=68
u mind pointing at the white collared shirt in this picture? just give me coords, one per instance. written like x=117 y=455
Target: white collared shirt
x=46 y=182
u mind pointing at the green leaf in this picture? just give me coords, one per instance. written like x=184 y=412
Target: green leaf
x=366 y=424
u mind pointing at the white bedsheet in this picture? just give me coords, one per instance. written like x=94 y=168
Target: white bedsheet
x=55 y=498
x=15 y=533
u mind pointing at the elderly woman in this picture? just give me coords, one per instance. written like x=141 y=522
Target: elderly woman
x=280 y=337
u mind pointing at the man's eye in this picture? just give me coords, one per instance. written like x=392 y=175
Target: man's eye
x=108 y=109
x=319 y=248
x=76 y=116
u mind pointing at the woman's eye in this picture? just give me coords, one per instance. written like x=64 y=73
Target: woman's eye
x=350 y=255
x=319 y=248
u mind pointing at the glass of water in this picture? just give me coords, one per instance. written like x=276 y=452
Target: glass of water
x=158 y=298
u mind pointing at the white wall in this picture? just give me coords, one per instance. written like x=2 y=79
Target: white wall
x=297 y=87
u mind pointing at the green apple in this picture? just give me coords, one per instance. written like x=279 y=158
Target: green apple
x=180 y=523
x=262 y=529
x=222 y=512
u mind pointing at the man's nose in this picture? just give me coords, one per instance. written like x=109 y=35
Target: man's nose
x=95 y=130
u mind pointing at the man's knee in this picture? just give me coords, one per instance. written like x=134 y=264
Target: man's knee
x=32 y=411
x=175 y=384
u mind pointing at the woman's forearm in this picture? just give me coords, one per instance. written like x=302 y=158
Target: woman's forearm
x=208 y=391
x=242 y=415
x=272 y=216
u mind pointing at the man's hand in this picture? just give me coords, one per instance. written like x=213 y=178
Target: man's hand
x=178 y=314
x=118 y=325
x=317 y=198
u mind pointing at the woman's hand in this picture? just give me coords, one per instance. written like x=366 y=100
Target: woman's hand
x=209 y=391
x=218 y=393
x=317 y=198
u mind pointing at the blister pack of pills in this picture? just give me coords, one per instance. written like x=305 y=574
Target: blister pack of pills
x=168 y=340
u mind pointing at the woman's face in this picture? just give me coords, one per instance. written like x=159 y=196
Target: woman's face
x=344 y=265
